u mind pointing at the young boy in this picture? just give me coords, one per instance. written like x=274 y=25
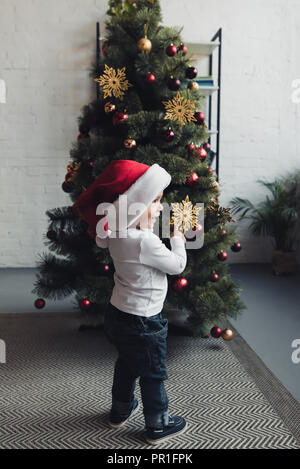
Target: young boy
x=133 y=321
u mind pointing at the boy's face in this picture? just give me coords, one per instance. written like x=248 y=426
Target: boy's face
x=148 y=218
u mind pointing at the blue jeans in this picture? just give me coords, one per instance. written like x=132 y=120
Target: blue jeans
x=142 y=345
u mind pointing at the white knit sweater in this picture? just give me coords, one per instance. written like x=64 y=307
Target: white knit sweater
x=141 y=262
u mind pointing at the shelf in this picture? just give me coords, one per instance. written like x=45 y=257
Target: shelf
x=207 y=90
x=198 y=48
x=195 y=48
x=201 y=48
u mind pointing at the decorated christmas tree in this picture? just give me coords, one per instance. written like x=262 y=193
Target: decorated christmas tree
x=148 y=110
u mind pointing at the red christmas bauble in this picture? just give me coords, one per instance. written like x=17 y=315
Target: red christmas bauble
x=222 y=256
x=169 y=135
x=174 y=84
x=192 y=179
x=150 y=78
x=199 y=116
x=236 y=247
x=119 y=118
x=214 y=277
x=190 y=147
x=200 y=153
x=183 y=49
x=39 y=303
x=216 y=332
x=191 y=72
x=210 y=170
x=171 y=50
x=106 y=226
x=179 y=284
x=84 y=303
x=206 y=146
x=67 y=186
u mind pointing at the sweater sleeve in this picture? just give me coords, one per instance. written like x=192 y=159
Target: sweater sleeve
x=155 y=254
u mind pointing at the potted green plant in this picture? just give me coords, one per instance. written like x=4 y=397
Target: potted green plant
x=277 y=217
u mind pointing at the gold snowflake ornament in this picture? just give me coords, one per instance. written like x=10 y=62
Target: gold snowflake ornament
x=185 y=215
x=222 y=213
x=180 y=109
x=113 y=83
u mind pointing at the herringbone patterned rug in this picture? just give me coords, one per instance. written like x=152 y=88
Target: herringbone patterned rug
x=56 y=392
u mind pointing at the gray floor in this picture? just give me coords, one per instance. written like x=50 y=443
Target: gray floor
x=269 y=325
x=56 y=391
x=272 y=321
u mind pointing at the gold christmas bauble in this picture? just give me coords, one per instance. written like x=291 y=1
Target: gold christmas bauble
x=193 y=85
x=144 y=44
x=129 y=143
x=227 y=334
x=215 y=185
x=109 y=107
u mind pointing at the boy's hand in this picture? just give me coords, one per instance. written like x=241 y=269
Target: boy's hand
x=176 y=232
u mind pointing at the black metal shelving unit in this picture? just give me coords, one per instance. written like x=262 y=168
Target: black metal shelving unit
x=198 y=51
x=217 y=36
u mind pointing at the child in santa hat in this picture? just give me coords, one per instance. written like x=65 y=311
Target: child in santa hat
x=131 y=192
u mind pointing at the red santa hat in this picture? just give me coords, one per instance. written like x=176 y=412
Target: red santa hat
x=138 y=181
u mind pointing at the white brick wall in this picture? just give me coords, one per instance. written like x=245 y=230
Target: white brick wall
x=46 y=51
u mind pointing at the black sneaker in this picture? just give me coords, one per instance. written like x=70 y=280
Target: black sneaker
x=175 y=426
x=116 y=421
